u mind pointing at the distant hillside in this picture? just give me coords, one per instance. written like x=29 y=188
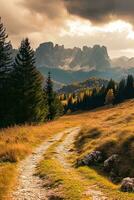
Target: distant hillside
x=76 y=65
x=65 y=77
x=123 y=62
x=90 y=83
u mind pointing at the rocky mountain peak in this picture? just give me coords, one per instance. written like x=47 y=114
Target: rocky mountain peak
x=57 y=56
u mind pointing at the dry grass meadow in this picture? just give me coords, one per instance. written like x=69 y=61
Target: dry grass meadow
x=112 y=124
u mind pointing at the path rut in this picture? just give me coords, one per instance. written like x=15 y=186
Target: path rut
x=30 y=187
x=65 y=147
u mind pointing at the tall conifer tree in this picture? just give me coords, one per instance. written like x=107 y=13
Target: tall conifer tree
x=55 y=107
x=5 y=69
x=129 y=90
x=28 y=93
x=120 y=92
x=50 y=97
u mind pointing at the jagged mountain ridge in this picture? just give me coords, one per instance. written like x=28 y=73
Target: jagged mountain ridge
x=75 y=65
x=87 y=58
x=123 y=62
x=75 y=59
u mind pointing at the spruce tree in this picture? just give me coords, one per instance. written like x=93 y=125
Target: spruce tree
x=120 y=92
x=50 y=97
x=5 y=70
x=28 y=92
x=55 y=107
x=129 y=90
x=111 y=85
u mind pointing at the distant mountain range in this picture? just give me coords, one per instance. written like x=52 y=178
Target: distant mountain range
x=75 y=65
x=75 y=59
x=67 y=76
x=123 y=62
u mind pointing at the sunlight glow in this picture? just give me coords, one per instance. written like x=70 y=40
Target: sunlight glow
x=118 y=26
x=83 y=27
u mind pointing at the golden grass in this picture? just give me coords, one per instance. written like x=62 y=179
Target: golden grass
x=102 y=183
x=7 y=179
x=17 y=142
x=69 y=185
x=106 y=124
x=111 y=130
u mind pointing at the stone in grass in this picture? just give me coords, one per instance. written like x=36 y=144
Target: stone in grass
x=54 y=197
x=91 y=159
x=111 y=164
x=127 y=185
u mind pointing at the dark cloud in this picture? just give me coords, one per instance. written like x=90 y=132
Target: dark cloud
x=101 y=11
x=52 y=20
x=53 y=9
x=97 y=11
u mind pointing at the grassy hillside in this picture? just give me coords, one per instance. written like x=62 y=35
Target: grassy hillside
x=18 y=142
x=69 y=77
x=112 y=125
x=109 y=129
x=89 y=83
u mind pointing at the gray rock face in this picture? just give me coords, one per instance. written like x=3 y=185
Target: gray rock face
x=91 y=159
x=111 y=166
x=57 y=56
x=111 y=163
x=127 y=185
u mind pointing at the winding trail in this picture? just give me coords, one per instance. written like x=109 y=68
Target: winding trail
x=65 y=147
x=30 y=186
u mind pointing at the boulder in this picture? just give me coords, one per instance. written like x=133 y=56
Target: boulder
x=91 y=159
x=111 y=164
x=127 y=185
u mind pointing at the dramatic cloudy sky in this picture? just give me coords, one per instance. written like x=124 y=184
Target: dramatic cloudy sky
x=72 y=23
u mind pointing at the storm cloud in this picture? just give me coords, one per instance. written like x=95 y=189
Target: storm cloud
x=52 y=9
x=101 y=11
x=72 y=23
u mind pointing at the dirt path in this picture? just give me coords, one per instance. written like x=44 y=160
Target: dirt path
x=30 y=187
x=65 y=148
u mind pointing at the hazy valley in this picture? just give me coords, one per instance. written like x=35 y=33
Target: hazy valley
x=76 y=65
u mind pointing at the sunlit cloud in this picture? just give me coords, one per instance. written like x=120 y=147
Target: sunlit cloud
x=81 y=27
x=46 y=20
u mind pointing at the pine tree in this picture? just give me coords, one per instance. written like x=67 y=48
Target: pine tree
x=111 y=85
x=28 y=93
x=5 y=70
x=101 y=97
x=120 y=92
x=55 y=107
x=50 y=97
x=129 y=90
